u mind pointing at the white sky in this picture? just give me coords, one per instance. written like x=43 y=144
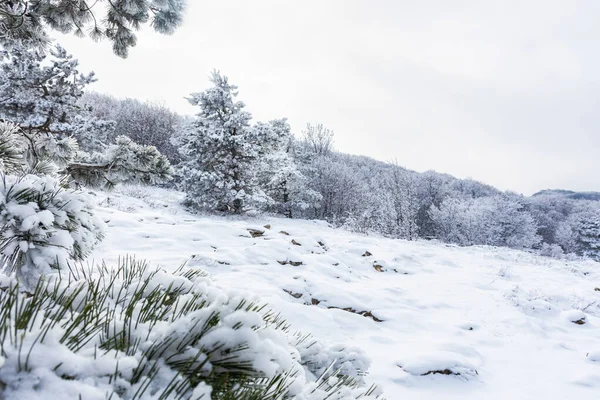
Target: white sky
x=505 y=92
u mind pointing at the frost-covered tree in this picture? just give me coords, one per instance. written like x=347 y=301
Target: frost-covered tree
x=40 y=95
x=146 y=123
x=512 y=225
x=433 y=188
x=220 y=151
x=343 y=192
x=580 y=232
x=470 y=188
x=403 y=189
x=549 y=211
x=318 y=139
x=117 y=20
x=279 y=175
x=589 y=235
x=494 y=221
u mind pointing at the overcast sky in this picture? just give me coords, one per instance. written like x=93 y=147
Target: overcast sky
x=505 y=92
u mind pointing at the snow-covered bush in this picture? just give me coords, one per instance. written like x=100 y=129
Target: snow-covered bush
x=92 y=134
x=552 y=250
x=44 y=226
x=330 y=361
x=124 y=161
x=134 y=333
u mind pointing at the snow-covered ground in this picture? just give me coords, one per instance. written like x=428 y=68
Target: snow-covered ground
x=438 y=321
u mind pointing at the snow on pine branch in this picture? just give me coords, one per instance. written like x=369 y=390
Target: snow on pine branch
x=44 y=226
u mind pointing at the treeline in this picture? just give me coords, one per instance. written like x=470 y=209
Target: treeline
x=228 y=163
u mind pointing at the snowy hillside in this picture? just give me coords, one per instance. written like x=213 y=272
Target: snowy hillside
x=438 y=321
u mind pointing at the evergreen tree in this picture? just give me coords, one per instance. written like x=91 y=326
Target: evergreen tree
x=117 y=20
x=220 y=151
x=41 y=96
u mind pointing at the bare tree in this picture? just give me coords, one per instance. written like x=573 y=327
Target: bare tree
x=318 y=139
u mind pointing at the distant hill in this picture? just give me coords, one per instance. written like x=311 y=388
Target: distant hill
x=594 y=196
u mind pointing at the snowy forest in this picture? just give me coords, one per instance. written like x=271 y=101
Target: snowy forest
x=227 y=163
x=62 y=144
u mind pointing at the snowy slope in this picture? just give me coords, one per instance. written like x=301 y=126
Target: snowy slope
x=438 y=321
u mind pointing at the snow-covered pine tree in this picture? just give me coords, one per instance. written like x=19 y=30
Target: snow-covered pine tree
x=220 y=151
x=279 y=176
x=41 y=96
x=92 y=134
x=116 y=20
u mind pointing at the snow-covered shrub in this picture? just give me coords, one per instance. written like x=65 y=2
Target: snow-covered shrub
x=134 y=333
x=123 y=161
x=44 y=226
x=552 y=250
x=331 y=361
